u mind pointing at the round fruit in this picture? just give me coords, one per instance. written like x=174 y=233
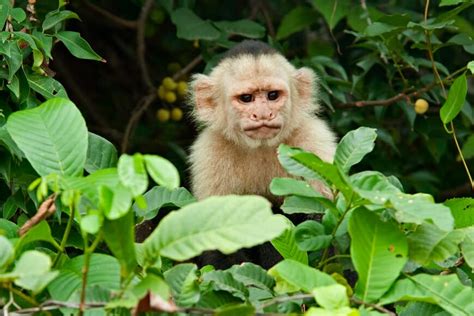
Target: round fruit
x=161 y=92
x=163 y=115
x=170 y=97
x=176 y=114
x=421 y=106
x=169 y=83
x=182 y=88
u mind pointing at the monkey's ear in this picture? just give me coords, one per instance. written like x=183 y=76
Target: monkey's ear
x=305 y=80
x=203 y=88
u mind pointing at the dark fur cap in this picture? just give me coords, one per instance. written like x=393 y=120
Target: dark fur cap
x=250 y=47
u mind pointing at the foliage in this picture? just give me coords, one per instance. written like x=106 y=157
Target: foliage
x=71 y=204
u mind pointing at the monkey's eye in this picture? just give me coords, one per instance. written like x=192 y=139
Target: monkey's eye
x=273 y=95
x=246 y=98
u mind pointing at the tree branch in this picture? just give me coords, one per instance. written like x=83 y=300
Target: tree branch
x=141 y=47
x=118 y=21
x=374 y=306
x=196 y=61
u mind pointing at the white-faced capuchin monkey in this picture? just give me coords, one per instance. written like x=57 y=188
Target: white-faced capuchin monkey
x=251 y=102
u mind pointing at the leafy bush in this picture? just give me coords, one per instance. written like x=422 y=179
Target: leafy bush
x=71 y=204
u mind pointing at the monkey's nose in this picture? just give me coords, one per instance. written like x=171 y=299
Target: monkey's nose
x=262 y=116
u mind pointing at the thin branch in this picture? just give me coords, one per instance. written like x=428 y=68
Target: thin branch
x=141 y=47
x=118 y=21
x=144 y=103
x=183 y=71
x=268 y=21
x=374 y=306
x=46 y=209
x=282 y=299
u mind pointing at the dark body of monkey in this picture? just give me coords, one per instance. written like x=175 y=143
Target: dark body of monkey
x=253 y=101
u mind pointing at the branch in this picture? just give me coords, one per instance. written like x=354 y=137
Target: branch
x=196 y=61
x=46 y=209
x=118 y=21
x=141 y=48
x=374 y=306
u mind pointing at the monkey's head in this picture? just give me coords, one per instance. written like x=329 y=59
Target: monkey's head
x=254 y=96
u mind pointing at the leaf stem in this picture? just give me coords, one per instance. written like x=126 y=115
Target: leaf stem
x=85 y=268
x=62 y=246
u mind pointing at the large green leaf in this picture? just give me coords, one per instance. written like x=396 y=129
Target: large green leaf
x=455 y=101
x=289 y=186
x=292 y=276
x=224 y=281
x=252 y=275
x=191 y=27
x=354 y=146
x=379 y=252
x=462 y=210
x=285 y=154
x=429 y=243
x=444 y=290
x=55 y=17
x=286 y=245
x=158 y=197
x=46 y=86
x=332 y=11
x=6 y=252
x=246 y=28
x=53 y=137
x=119 y=234
x=103 y=271
x=132 y=174
x=373 y=186
x=225 y=223
x=77 y=46
x=33 y=271
x=183 y=281
x=101 y=154
x=162 y=171
x=296 y=20
x=310 y=236
x=5 y=7
x=417 y=208
x=305 y=205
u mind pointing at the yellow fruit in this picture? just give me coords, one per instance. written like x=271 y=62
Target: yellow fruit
x=182 y=88
x=421 y=106
x=161 y=92
x=170 y=97
x=163 y=115
x=169 y=83
x=176 y=114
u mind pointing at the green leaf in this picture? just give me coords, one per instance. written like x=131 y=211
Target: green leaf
x=132 y=174
x=292 y=276
x=18 y=14
x=8 y=229
x=119 y=235
x=225 y=223
x=354 y=146
x=246 y=28
x=7 y=141
x=53 y=137
x=55 y=17
x=183 y=281
x=462 y=210
x=285 y=154
x=379 y=252
x=429 y=243
x=104 y=271
x=158 y=197
x=286 y=245
x=305 y=205
x=78 y=46
x=46 y=86
x=310 y=236
x=449 y=2
x=470 y=66
x=252 y=275
x=289 y=186
x=101 y=154
x=116 y=201
x=468 y=148
x=420 y=207
x=331 y=297
x=14 y=86
x=467 y=246
x=7 y=252
x=332 y=11
x=91 y=223
x=191 y=27
x=13 y=57
x=444 y=290
x=224 y=281
x=5 y=7
x=235 y=310
x=151 y=284
x=455 y=101
x=327 y=171
x=33 y=271
x=40 y=232
x=162 y=171
x=379 y=28
x=373 y=186
x=296 y=20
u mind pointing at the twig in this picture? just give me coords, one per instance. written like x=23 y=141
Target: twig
x=268 y=21
x=454 y=192
x=374 y=306
x=111 y=17
x=282 y=299
x=52 y=305
x=196 y=61
x=141 y=48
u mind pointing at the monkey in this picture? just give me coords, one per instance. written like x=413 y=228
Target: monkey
x=250 y=103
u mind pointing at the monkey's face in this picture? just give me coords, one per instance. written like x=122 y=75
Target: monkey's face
x=257 y=104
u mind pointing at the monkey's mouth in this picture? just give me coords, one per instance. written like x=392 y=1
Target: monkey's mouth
x=262 y=131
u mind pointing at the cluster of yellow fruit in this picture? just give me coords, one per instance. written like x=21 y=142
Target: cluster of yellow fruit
x=170 y=91
x=421 y=106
